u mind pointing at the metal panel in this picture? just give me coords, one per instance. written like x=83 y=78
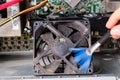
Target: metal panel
x=13 y=28
x=81 y=78
x=112 y=5
x=60 y=78
x=72 y=3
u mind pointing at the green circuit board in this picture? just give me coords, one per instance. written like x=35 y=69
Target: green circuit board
x=93 y=6
x=71 y=6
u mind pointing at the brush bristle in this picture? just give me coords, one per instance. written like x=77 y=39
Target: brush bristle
x=82 y=58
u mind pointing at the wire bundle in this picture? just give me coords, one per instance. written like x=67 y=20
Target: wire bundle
x=23 y=12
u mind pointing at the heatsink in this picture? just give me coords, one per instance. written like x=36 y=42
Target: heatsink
x=72 y=3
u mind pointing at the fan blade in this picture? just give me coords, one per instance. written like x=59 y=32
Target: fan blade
x=48 y=37
x=53 y=66
x=68 y=69
x=63 y=28
x=79 y=26
x=76 y=36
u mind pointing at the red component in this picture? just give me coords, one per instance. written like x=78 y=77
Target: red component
x=10 y=3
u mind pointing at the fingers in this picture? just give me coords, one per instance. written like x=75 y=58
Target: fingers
x=114 y=19
x=115 y=32
x=112 y=24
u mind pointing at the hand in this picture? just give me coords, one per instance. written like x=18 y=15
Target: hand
x=112 y=24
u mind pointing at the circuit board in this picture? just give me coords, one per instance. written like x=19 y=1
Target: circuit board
x=71 y=6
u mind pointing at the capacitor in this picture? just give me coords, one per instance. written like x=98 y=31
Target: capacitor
x=45 y=8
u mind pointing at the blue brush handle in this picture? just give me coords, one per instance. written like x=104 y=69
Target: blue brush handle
x=104 y=38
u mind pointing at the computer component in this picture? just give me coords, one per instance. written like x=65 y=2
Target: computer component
x=70 y=7
x=13 y=28
x=52 y=42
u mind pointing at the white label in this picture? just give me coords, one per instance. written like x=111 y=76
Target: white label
x=15 y=22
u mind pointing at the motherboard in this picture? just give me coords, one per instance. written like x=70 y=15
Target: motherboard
x=71 y=7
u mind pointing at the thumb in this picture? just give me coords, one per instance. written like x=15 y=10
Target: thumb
x=115 y=32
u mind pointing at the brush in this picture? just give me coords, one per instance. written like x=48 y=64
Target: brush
x=83 y=56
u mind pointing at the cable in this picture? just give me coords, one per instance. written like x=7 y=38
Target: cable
x=10 y=3
x=23 y=12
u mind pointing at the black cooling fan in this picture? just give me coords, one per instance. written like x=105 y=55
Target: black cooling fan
x=52 y=43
